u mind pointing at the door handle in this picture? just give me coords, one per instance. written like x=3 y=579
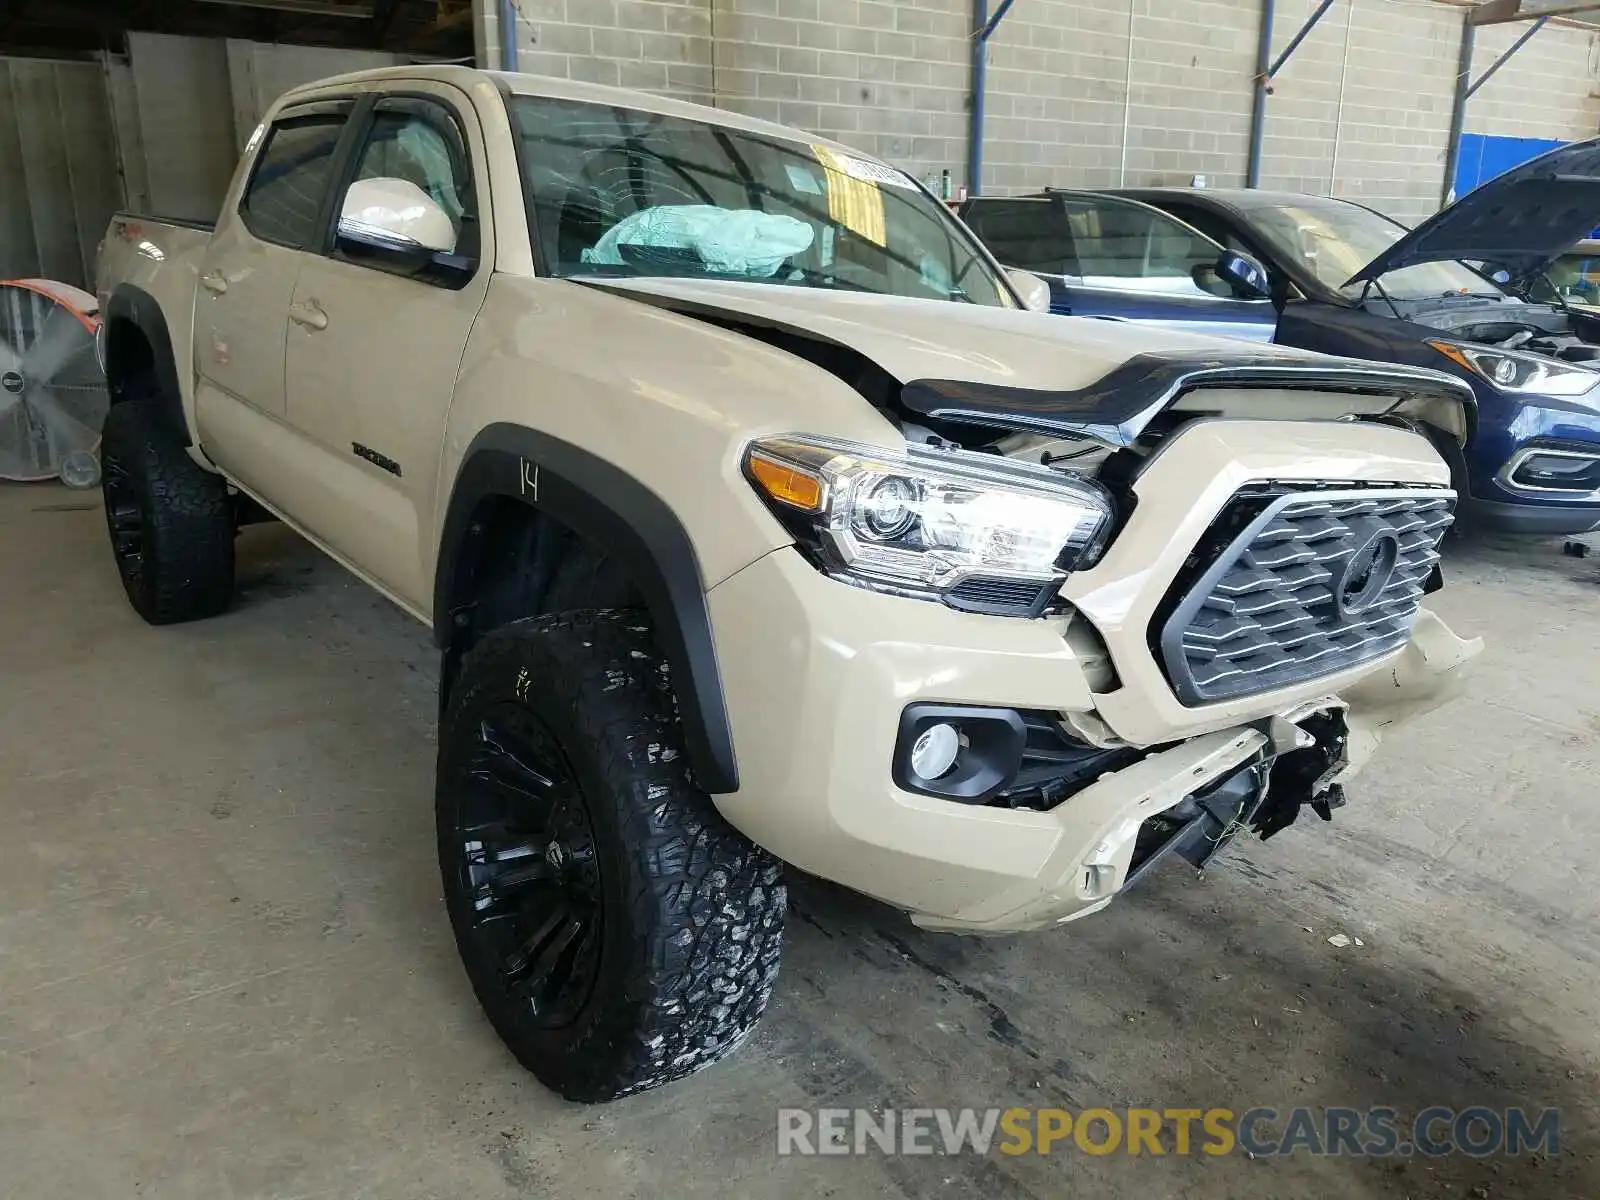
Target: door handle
x=213 y=281
x=308 y=313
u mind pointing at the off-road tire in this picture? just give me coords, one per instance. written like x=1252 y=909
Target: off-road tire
x=690 y=912
x=171 y=522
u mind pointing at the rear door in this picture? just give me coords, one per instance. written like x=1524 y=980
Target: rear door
x=246 y=284
x=374 y=348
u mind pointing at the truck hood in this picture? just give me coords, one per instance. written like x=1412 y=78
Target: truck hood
x=1048 y=374
x=1523 y=220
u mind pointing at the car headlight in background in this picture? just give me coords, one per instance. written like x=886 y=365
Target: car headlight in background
x=1514 y=371
x=980 y=532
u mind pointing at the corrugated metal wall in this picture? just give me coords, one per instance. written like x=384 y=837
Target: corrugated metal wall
x=165 y=142
x=182 y=101
x=260 y=72
x=59 y=182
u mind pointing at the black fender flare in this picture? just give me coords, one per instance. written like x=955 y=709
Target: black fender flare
x=134 y=307
x=611 y=509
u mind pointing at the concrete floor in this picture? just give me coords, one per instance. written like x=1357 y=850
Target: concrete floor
x=225 y=969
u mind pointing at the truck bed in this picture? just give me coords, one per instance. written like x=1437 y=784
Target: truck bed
x=155 y=261
x=127 y=214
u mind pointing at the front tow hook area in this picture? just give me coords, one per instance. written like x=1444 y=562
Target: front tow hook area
x=1200 y=825
x=1266 y=795
x=1318 y=754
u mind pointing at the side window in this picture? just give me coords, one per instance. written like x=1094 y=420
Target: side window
x=290 y=181
x=1030 y=234
x=1213 y=226
x=419 y=142
x=1125 y=242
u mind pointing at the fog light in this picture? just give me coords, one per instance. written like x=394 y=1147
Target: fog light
x=934 y=752
x=1559 y=471
x=958 y=752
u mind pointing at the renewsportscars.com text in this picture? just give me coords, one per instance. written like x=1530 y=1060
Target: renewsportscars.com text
x=1259 y=1132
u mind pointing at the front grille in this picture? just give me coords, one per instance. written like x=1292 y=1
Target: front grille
x=1292 y=587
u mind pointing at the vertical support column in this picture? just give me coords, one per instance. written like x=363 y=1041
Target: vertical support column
x=508 y=35
x=1458 y=110
x=980 y=89
x=1258 y=104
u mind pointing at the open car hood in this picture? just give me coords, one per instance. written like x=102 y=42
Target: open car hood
x=999 y=367
x=1522 y=221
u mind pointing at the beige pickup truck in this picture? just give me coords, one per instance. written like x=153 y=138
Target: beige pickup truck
x=760 y=517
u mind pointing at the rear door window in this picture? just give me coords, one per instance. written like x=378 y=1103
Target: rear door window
x=1030 y=234
x=289 y=185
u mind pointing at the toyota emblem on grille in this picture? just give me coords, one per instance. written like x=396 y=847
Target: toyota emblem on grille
x=1366 y=573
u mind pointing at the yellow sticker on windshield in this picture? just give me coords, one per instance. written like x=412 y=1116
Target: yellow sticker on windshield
x=853 y=201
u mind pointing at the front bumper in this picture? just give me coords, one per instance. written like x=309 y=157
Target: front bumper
x=1530 y=518
x=1510 y=428
x=817 y=675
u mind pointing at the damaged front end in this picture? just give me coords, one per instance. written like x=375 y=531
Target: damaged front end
x=1307 y=760
x=1266 y=796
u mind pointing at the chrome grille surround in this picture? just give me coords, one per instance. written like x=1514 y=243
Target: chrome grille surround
x=1316 y=582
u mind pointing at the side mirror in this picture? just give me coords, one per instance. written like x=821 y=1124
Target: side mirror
x=1245 y=275
x=396 y=216
x=1035 y=292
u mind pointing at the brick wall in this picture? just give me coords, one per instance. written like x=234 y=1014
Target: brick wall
x=1191 y=91
x=1523 y=100
x=1085 y=92
x=1396 y=120
x=888 y=77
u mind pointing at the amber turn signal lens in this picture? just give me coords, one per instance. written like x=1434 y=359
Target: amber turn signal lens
x=787 y=483
x=1455 y=355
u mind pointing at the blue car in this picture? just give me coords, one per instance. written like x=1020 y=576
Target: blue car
x=1346 y=280
x=1125 y=261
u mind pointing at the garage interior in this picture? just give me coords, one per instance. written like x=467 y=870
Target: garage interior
x=145 y=106
x=225 y=968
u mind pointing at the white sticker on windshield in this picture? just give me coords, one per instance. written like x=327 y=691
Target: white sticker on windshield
x=803 y=180
x=862 y=169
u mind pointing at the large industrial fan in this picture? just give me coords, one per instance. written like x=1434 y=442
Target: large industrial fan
x=52 y=390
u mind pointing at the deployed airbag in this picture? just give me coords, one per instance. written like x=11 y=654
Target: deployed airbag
x=727 y=241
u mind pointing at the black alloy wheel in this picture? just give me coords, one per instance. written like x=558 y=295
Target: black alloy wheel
x=527 y=858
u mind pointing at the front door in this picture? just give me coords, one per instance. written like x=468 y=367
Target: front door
x=373 y=350
x=1136 y=263
x=1119 y=260
x=246 y=284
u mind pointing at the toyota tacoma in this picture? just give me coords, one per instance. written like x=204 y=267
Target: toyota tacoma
x=760 y=517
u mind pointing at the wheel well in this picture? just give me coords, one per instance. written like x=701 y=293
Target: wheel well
x=139 y=360
x=536 y=524
x=509 y=566
x=130 y=360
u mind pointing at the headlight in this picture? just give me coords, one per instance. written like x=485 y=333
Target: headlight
x=980 y=532
x=1514 y=371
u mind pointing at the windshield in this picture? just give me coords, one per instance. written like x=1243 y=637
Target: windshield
x=612 y=191
x=1335 y=240
x=1574 y=276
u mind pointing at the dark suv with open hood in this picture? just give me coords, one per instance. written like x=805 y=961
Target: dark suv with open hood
x=1347 y=280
